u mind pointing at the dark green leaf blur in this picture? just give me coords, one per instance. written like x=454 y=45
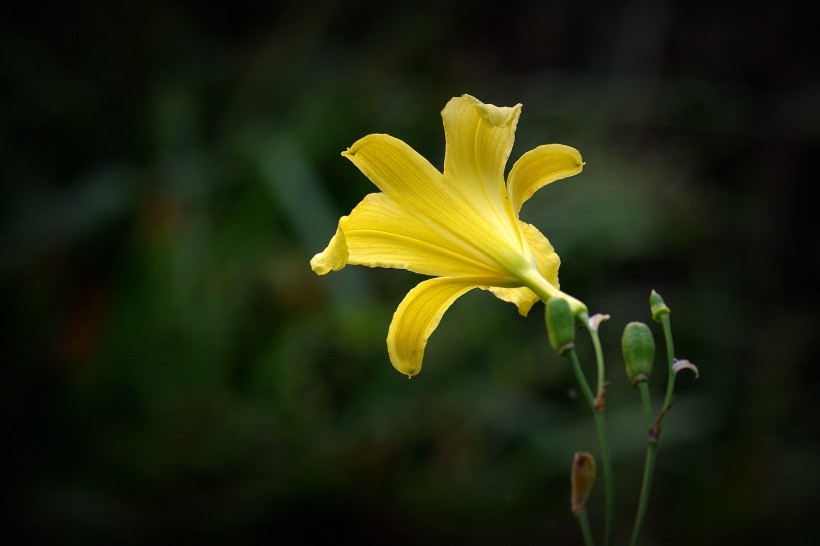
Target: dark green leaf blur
x=174 y=372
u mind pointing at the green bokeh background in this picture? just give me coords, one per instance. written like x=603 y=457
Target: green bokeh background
x=174 y=372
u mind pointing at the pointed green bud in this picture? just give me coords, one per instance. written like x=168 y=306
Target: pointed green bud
x=657 y=305
x=638 y=347
x=560 y=325
x=582 y=478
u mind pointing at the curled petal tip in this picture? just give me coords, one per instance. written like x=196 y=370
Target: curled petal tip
x=680 y=365
x=334 y=257
x=596 y=320
x=318 y=266
x=496 y=116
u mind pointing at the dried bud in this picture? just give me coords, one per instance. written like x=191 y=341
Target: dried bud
x=582 y=479
x=638 y=347
x=560 y=325
x=657 y=305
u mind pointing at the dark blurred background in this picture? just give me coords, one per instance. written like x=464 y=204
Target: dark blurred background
x=174 y=371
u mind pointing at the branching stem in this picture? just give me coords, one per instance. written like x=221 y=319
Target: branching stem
x=606 y=459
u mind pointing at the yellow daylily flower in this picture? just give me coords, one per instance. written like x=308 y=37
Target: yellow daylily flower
x=460 y=226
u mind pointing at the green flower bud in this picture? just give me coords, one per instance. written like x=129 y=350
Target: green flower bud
x=560 y=325
x=657 y=306
x=638 y=347
x=582 y=478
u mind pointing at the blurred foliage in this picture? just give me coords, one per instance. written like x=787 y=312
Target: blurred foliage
x=175 y=371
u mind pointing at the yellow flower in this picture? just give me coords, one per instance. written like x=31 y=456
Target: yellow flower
x=460 y=226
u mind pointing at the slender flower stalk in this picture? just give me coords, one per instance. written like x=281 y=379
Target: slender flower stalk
x=591 y=324
x=660 y=312
x=609 y=486
x=670 y=360
x=586 y=530
x=581 y=379
x=646 y=404
x=649 y=463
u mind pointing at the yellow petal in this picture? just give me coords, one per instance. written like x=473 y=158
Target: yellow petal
x=417 y=317
x=479 y=139
x=414 y=185
x=537 y=168
x=380 y=233
x=521 y=297
x=395 y=168
x=334 y=257
x=546 y=259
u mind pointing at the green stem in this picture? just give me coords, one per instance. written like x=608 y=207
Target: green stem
x=606 y=459
x=579 y=376
x=649 y=462
x=670 y=357
x=586 y=531
x=646 y=402
x=648 y=470
x=599 y=360
x=609 y=489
